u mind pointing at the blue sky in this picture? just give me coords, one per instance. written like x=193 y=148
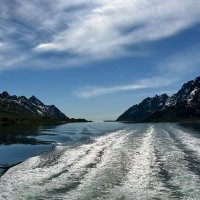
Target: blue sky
x=95 y=58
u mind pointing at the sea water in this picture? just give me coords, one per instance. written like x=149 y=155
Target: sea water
x=114 y=161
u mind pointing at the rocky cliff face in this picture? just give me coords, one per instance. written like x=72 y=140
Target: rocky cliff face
x=183 y=105
x=144 y=109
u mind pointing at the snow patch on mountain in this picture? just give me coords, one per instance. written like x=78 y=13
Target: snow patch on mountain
x=32 y=107
x=182 y=105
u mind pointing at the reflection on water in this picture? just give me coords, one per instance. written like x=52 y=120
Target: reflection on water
x=18 y=134
x=192 y=125
x=19 y=142
x=109 y=161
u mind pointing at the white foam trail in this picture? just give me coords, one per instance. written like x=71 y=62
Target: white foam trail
x=142 y=181
x=127 y=174
x=128 y=164
x=185 y=136
x=109 y=172
x=139 y=175
x=59 y=169
x=182 y=182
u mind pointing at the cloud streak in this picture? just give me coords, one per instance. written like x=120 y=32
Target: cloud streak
x=171 y=71
x=88 y=30
x=111 y=25
x=155 y=82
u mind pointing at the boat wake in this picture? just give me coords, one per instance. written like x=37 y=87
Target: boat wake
x=142 y=162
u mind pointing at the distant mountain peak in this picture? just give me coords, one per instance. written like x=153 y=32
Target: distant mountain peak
x=185 y=104
x=35 y=100
x=32 y=98
x=21 y=107
x=14 y=108
x=146 y=107
x=5 y=94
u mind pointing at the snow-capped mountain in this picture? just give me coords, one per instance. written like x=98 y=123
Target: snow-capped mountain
x=183 y=105
x=187 y=95
x=144 y=109
x=24 y=108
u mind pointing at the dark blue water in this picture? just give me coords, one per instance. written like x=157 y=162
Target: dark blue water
x=19 y=142
x=112 y=161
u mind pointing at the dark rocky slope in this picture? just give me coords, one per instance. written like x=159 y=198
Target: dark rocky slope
x=13 y=108
x=184 y=105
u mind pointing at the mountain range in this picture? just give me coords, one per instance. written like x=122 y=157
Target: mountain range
x=183 y=105
x=14 y=108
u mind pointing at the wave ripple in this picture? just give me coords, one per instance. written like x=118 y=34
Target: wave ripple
x=147 y=161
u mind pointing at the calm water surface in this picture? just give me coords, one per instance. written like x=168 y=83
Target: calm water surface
x=112 y=161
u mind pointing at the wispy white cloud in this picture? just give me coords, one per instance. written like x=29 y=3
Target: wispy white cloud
x=169 y=71
x=155 y=82
x=111 y=25
x=88 y=29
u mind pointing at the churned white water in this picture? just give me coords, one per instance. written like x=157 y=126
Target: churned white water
x=141 y=161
